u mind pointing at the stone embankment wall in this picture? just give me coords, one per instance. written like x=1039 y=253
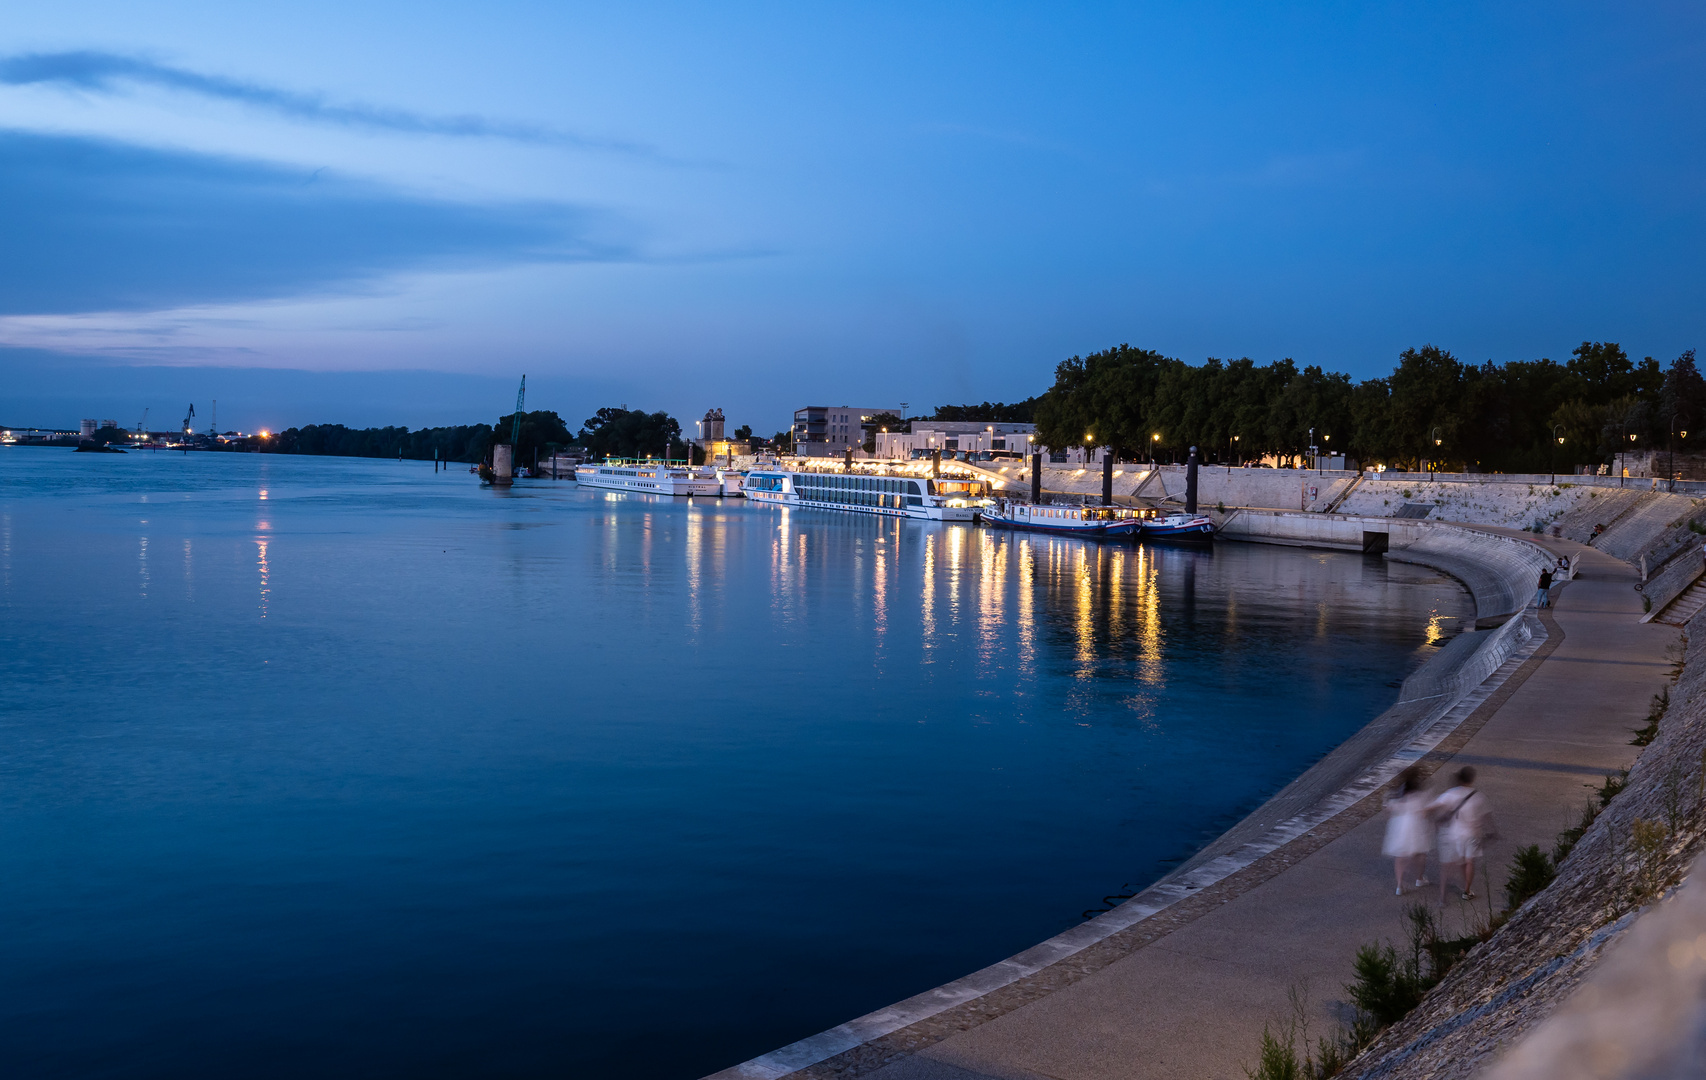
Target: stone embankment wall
x=1500 y=571
x=1636 y=520
x=1574 y=505
x=1639 y=846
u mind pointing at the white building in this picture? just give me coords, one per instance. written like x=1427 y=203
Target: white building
x=963 y=439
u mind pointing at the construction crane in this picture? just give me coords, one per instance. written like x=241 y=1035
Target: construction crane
x=515 y=425
x=187 y=419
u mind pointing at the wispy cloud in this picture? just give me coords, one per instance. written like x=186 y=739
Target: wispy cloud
x=100 y=226
x=109 y=73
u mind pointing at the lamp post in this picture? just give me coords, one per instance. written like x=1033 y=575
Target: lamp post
x=1235 y=449
x=1432 y=464
x=1154 y=444
x=1623 y=436
x=1674 y=432
x=1319 y=468
x=1558 y=440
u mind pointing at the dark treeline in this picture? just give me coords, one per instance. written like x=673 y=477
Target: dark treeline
x=1515 y=417
x=463 y=443
x=541 y=431
x=611 y=433
x=990 y=412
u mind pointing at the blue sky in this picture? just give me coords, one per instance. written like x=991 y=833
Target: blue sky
x=385 y=213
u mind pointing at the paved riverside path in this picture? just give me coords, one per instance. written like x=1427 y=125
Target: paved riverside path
x=1192 y=1003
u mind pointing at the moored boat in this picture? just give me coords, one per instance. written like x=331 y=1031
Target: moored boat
x=1179 y=528
x=647 y=477
x=885 y=491
x=1093 y=522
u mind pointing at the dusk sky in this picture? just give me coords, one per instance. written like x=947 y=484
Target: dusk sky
x=377 y=213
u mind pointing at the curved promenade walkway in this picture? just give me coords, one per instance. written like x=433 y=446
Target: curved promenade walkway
x=1191 y=1000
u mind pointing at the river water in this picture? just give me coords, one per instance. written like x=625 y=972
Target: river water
x=344 y=768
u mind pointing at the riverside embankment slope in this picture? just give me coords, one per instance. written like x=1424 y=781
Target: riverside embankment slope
x=1178 y=981
x=1191 y=1002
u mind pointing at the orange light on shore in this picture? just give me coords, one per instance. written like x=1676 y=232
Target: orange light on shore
x=265 y=433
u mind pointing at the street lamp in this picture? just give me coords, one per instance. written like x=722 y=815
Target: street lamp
x=1432 y=464
x=1235 y=448
x=1318 y=466
x=1673 y=434
x=1557 y=434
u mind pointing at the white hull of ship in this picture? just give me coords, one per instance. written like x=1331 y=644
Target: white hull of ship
x=918 y=513
x=642 y=483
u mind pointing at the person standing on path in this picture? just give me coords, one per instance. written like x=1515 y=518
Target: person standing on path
x=1408 y=831
x=1543 y=597
x=1465 y=824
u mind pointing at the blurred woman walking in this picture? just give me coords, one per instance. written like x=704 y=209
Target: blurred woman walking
x=1409 y=831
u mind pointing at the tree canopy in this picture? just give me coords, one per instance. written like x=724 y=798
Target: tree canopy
x=1432 y=406
x=990 y=412
x=632 y=433
x=543 y=432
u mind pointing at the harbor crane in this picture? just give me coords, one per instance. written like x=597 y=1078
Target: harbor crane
x=142 y=425
x=515 y=425
x=187 y=419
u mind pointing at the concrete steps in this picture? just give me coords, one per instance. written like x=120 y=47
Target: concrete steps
x=1686 y=606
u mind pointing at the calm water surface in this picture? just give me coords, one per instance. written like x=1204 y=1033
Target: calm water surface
x=330 y=767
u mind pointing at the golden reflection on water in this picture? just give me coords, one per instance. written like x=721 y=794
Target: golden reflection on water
x=779 y=568
x=992 y=592
x=1085 y=622
x=1027 y=623
x=880 y=594
x=693 y=552
x=1436 y=627
x=261 y=558
x=927 y=617
x=1151 y=665
x=956 y=541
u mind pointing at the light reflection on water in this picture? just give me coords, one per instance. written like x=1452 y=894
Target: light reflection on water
x=551 y=781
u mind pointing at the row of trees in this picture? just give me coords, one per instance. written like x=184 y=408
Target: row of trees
x=610 y=433
x=463 y=443
x=1506 y=418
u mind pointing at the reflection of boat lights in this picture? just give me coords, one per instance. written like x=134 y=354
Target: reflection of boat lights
x=262 y=559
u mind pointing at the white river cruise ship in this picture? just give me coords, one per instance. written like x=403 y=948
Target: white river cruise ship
x=650 y=477
x=892 y=494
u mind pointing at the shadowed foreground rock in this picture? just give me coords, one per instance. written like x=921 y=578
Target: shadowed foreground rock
x=1642 y=1015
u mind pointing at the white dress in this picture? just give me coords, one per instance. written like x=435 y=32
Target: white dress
x=1408 y=831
